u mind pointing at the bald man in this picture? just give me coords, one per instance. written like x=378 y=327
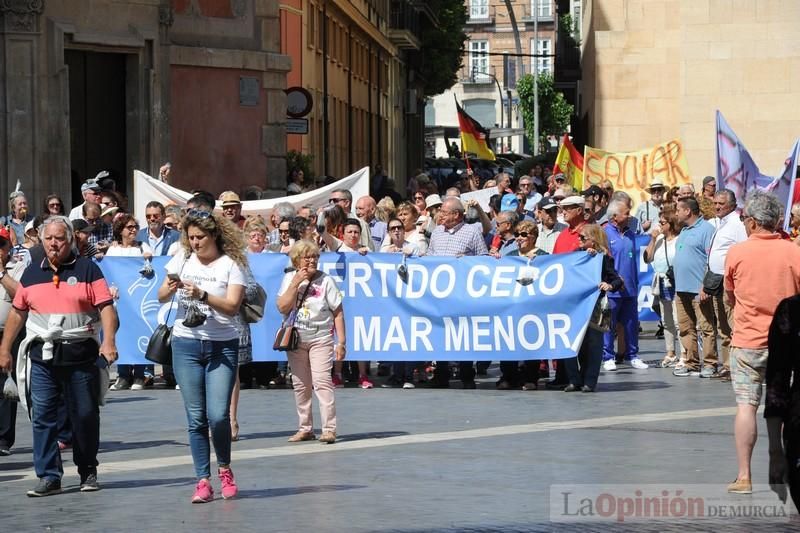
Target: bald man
x=365 y=210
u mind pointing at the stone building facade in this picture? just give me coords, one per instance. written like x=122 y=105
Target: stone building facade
x=123 y=85
x=659 y=69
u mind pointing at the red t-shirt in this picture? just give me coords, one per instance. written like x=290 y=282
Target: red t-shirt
x=568 y=240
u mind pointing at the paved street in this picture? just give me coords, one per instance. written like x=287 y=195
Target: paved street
x=407 y=460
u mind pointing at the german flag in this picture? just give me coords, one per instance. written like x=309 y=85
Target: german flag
x=473 y=136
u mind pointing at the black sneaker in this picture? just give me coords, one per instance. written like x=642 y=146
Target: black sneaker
x=89 y=483
x=46 y=487
x=5 y=450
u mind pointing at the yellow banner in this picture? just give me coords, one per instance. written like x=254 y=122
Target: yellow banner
x=633 y=172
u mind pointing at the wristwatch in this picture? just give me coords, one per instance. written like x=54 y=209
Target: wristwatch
x=204 y=296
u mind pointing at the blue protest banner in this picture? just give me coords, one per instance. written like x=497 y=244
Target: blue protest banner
x=646 y=313
x=451 y=308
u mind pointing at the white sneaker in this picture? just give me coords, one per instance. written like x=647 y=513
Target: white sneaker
x=639 y=364
x=408 y=385
x=610 y=365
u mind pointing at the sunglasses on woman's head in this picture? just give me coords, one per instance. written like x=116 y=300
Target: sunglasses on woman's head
x=198 y=213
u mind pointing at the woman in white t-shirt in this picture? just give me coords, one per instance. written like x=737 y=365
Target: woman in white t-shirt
x=134 y=377
x=317 y=303
x=661 y=253
x=208 y=281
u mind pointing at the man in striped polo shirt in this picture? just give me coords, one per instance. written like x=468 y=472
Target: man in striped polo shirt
x=66 y=301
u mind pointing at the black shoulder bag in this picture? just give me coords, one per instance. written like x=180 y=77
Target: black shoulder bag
x=288 y=338
x=712 y=283
x=670 y=272
x=159 y=347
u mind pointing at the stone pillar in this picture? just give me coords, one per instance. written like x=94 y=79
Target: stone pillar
x=273 y=132
x=19 y=44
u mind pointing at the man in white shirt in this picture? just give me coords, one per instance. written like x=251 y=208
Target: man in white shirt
x=91 y=193
x=648 y=212
x=729 y=231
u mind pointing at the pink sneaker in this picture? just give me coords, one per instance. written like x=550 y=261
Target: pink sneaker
x=203 y=493
x=229 y=489
x=337 y=382
x=364 y=382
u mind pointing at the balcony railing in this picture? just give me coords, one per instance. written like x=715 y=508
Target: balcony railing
x=404 y=25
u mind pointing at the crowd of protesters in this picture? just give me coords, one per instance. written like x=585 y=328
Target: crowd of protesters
x=709 y=285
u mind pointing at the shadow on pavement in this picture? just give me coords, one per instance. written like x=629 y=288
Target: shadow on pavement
x=139 y=483
x=116 y=445
x=293 y=491
x=129 y=399
x=11 y=478
x=266 y=435
x=611 y=386
x=19 y=465
x=370 y=435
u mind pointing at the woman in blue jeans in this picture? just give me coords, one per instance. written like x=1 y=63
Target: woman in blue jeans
x=207 y=276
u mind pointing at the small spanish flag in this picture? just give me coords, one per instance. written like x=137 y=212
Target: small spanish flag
x=474 y=137
x=570 y=163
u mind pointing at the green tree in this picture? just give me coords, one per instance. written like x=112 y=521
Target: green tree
x=443 y=46
x=554 y=111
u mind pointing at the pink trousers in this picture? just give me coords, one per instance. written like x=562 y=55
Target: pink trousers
x=311 y=367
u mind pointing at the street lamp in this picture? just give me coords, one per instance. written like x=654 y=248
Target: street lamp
x=499 y=90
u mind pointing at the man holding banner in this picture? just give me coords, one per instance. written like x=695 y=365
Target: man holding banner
x=455 y=238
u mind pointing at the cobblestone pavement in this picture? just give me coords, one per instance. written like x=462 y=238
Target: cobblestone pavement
x=411 y=461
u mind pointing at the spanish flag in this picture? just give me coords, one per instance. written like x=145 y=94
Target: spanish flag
x=473 y=136
x=570 y=163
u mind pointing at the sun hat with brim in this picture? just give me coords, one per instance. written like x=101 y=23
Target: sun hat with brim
x=433 y=200
x=656 y=184
x=229 y=198
x=109 y=210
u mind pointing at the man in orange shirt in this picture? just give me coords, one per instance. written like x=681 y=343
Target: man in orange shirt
x=759 y=273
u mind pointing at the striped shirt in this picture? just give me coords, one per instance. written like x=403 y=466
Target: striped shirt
x=462 y=239
x=81 y=288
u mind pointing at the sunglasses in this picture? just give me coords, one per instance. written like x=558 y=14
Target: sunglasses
x=283 y=231
x=198 y=213
x=54 y=205
x=583 y=238
x=396 y=228
x=419 y=198
x=336 y=200
x=523 y=234
x=132 y=227
x=155 y=217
